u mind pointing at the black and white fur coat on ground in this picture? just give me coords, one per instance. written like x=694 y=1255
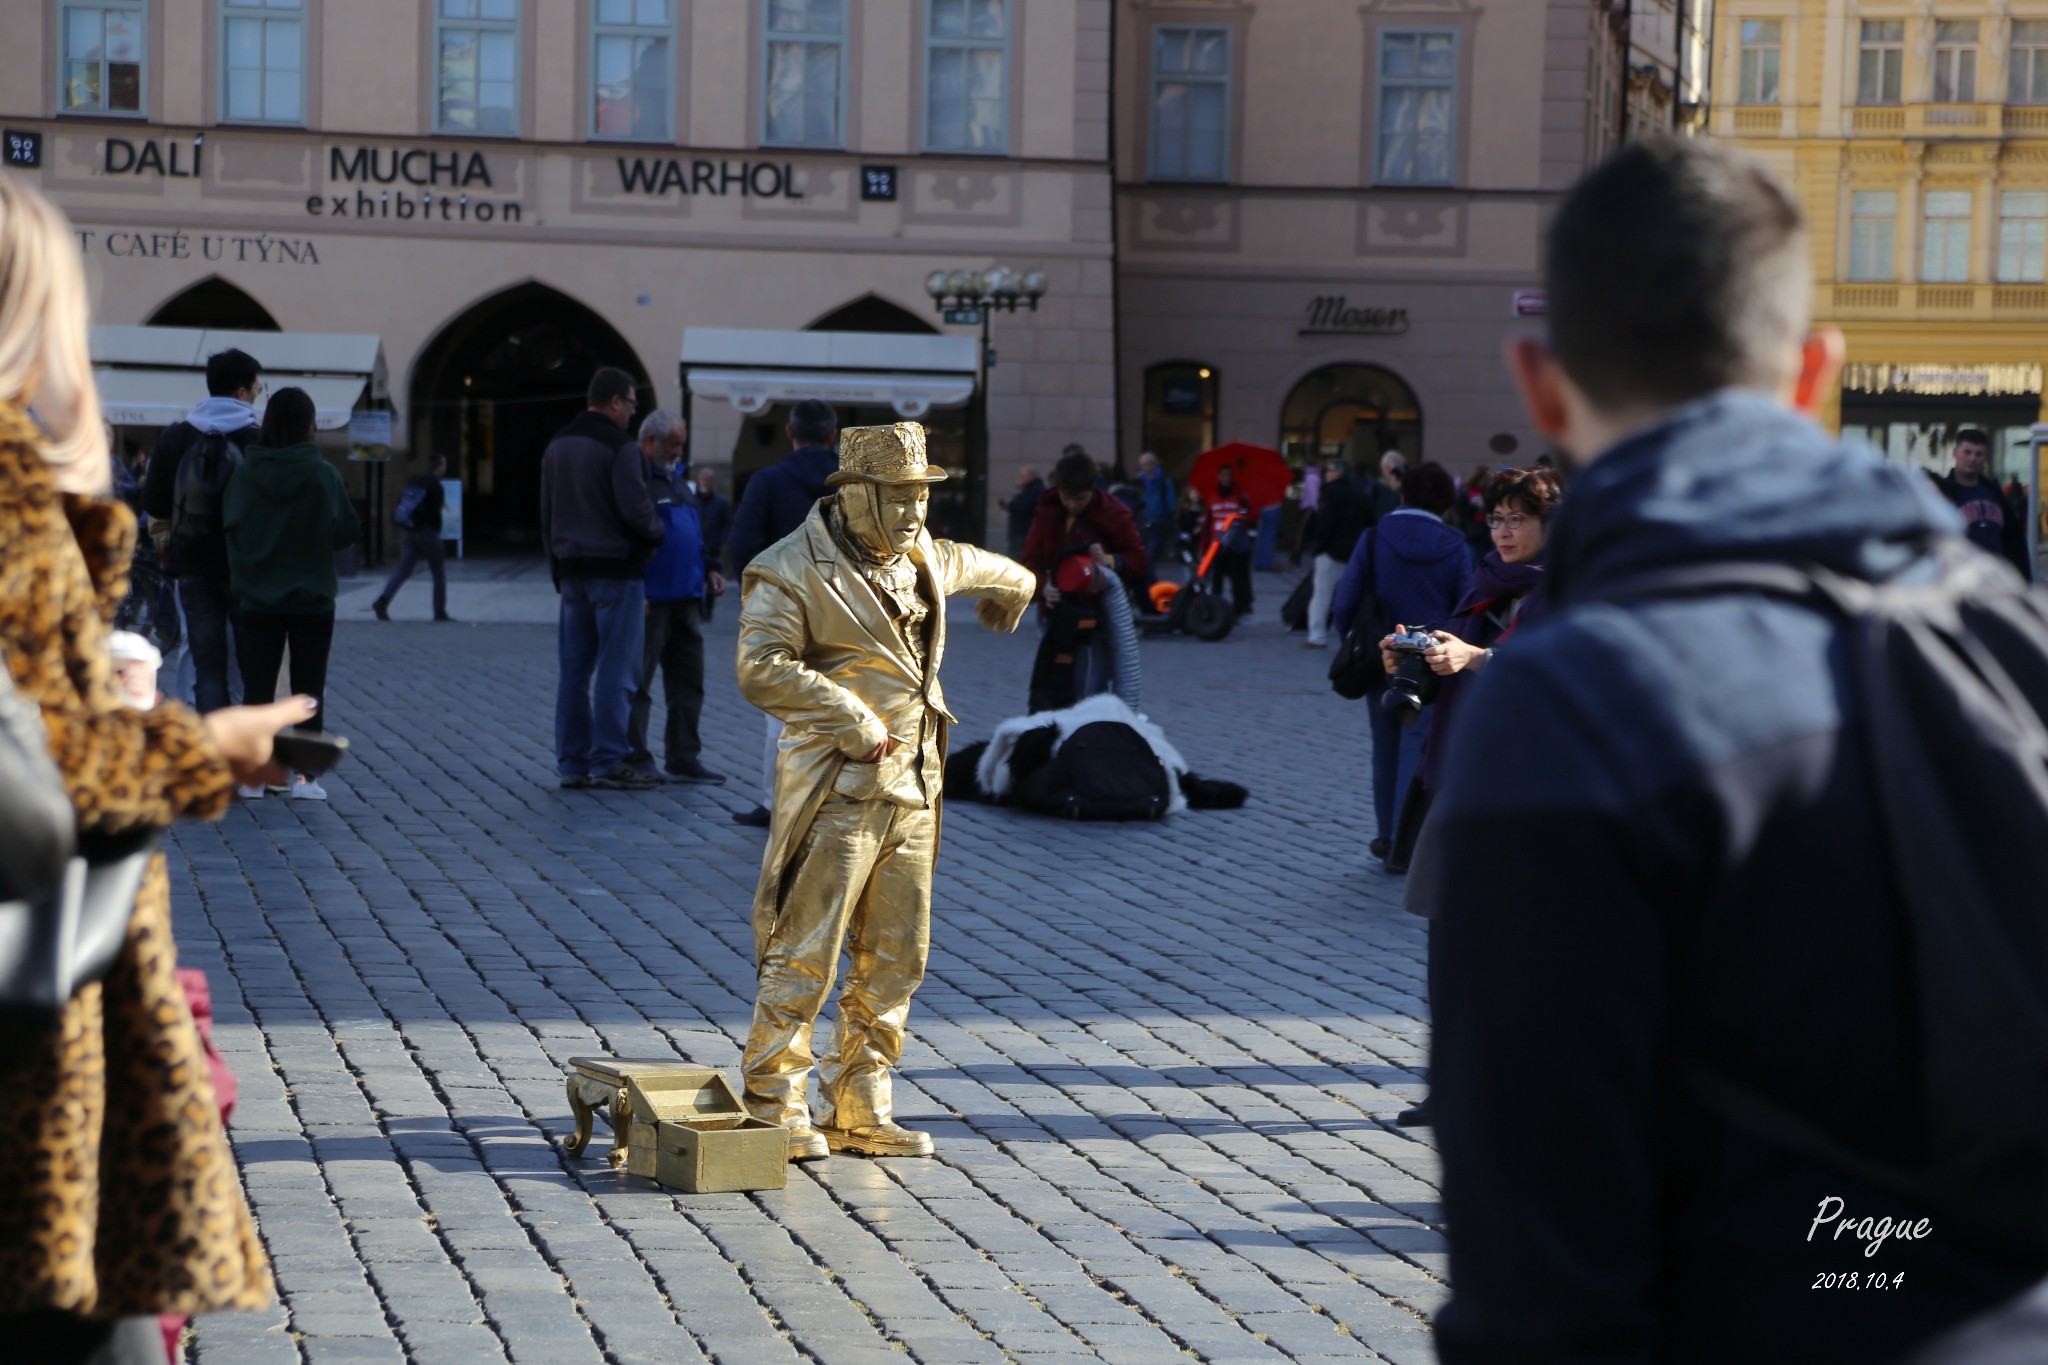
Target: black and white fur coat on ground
x=989 y=771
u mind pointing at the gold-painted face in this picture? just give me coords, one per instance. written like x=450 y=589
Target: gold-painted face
x=886 y=518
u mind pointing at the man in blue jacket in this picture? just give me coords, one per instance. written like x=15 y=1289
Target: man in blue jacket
x=681 y=583
x=776 y=502
x=1658 y=856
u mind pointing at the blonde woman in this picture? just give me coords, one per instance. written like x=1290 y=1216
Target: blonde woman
x=119 y=1199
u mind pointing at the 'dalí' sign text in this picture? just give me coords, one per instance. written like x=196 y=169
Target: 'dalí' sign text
x=1332 y=314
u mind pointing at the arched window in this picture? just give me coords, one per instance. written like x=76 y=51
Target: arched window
x=1180 y=413
x=872 y=313
x=214 y=303
x=1350 y=412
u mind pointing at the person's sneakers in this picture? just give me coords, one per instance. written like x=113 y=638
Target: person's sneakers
x=1315 y=644
x=278 y=788
x=807 y=1144
x=443 y=616
x=253 y=792
x=382 y=608
x=576 y=783
x=1380 y=848
x=882 y=1139
x=306 y=789
x=624 y=780
x=1415 y=1115
x=757 y=818
x=690 y=770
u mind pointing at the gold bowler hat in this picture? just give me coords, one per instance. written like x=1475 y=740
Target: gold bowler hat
x=892 y=454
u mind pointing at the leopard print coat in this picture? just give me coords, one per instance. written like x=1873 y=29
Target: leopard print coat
x=118 y=1194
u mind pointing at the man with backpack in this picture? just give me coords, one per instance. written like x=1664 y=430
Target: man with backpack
x=681 y=583
x=188 y=475
x=418 y=514
x=1736 y=869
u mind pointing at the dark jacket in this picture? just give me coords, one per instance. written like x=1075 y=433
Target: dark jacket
x=1105 y=521
x=229 y=416
x=427 y=516
x=1655 y=841
x=286 y=513
x=1503 y=599
x=1343 y=512
x=716 y=514
x=1420 y=569
x=777 y=500
x=595 y=516
x=1022 y=508
x=1994 y=522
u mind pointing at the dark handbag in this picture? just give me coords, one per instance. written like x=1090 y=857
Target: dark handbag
x=65 y=900
x=1357 y=671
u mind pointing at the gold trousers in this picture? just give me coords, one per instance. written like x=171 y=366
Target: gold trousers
x=861 y=881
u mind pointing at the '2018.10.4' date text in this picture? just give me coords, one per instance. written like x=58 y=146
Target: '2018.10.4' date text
x=1858 y=1279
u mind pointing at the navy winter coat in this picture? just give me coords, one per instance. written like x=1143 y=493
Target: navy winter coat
x=1422 y=569
x=777 y=500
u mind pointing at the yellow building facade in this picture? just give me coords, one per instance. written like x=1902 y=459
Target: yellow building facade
x=1916 y=134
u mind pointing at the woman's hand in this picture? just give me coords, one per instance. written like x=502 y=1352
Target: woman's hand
x=1451 y=655
x=244 y=734
x=1388 y=658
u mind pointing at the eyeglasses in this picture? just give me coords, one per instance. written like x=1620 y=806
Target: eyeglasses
x=1513 y=521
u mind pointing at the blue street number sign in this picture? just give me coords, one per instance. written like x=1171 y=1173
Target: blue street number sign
x=962 y=317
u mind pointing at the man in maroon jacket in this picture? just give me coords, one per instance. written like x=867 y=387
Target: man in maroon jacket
x=1077 y=521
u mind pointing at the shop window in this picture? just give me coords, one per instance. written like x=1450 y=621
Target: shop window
x=1190 y=102
x=1354 y=413
x=263 y=61
x=1418 y=103
x=1762 y=51
x=803 y=63
x=2026 y=62
x=103 y=58
x=2023 y=236
x=967 y=76
x=1880 y=61
x=630 y=43
x=1180 y=413
x=1873 y=234
x=476 y=45
x=1955 y=61
x=1945 y=257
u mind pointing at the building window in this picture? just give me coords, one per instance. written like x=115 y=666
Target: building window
x=1873 y=233
x=1180 y=414
x=2023 y=236
x=967 y=76
x=630 y=65
x=1190 y=102
x=2026 y=65
x=1955 y=61
x=103 y=46
x=1418 y=102
x=1946 y=255
x=806 y=48
x=476 y=43
x=1762 y=49
x=263 y=60
x=1881 y=62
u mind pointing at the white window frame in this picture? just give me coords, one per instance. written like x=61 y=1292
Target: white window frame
x=770 y=37
x=1895 y=48
x=65 y=9
x=1382 y=83
x=1161 y=78
x=1956 y=59
x=1928 y=219
x=666 y=31
x=1746 y=92
x=934 y=44
x=1883 y=225
x=2025 y=235
x=2024 y=67
x=514 y=26
x=267 y=13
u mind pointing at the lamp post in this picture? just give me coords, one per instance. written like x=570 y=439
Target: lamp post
x=965 y=298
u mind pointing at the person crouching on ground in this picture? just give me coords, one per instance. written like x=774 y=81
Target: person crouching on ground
x=1075 y=518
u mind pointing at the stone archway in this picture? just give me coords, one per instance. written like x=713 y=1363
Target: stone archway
x=213 y=304
x=1353 y=412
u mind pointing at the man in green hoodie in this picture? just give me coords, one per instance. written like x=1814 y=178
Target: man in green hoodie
x=286 y=513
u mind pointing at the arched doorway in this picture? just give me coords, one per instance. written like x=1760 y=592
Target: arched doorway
x=1351 y=412
x=216 y=304
x=494 y=387
x=872 y=313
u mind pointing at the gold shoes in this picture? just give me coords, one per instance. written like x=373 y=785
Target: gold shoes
x=807 y=1144
x=886 y=1139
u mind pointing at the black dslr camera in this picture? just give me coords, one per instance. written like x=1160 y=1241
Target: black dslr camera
x=1413 y=685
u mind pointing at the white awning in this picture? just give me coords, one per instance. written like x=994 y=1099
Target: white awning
x=910 y=395
x=157 y=398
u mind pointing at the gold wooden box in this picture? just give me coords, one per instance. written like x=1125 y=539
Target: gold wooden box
x=675 y=1123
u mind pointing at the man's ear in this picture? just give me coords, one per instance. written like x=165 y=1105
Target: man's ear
x=1820 y=361
x=1540 y=381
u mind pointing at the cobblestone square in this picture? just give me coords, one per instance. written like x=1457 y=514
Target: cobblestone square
x=1161 y=1061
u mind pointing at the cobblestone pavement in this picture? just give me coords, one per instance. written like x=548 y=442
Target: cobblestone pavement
x=1161 y=1061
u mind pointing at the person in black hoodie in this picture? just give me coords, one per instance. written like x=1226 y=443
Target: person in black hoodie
x=600 y=527
x=1657 y=845
x=424 y=500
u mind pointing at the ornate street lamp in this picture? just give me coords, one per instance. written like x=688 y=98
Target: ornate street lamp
x=967 y=298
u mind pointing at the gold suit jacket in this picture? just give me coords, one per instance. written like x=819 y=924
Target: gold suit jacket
x=817 y=652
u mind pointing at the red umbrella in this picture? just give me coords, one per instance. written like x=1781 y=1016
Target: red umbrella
x=1262 y=476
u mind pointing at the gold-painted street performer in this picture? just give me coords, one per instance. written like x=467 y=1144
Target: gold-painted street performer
x=842 y=628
